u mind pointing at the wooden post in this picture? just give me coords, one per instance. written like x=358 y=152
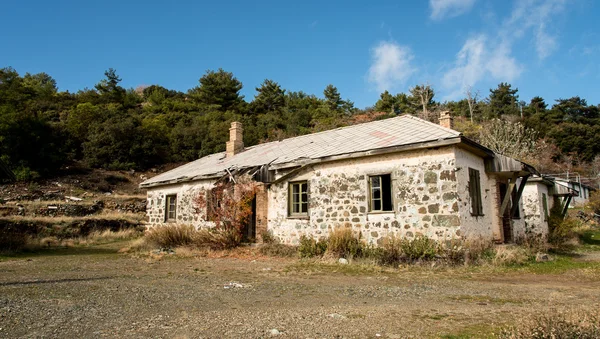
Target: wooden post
x=565 y=208
x=511 y=186
x=515 y=205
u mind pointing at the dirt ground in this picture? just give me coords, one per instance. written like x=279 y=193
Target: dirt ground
x=97 y=292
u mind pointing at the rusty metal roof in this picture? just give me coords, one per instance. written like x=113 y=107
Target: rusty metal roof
x=382 y=134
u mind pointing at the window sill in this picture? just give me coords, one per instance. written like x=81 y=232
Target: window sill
x=380 y=212
x=300 y=217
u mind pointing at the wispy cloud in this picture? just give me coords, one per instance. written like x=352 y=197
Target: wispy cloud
x=390 y=65
x=535 y=16
x=490 y=56
x=441 y=9
x=478 y=60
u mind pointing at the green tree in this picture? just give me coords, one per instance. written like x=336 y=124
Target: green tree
x=270 y=97
x=219 y=90
x=386 y=103
x=109 y=88
x=333 y=99
x=503 y=101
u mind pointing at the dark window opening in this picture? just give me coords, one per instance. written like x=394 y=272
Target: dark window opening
x=171 y=208
x=475 y=192
x=381 y=193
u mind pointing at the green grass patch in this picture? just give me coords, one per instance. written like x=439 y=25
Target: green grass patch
x=591 y=238
x=473 y=331
x=560 y=264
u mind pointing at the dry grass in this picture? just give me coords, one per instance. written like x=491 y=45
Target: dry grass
x=104 y=215
x=510 y=255
x=172 y=236
x=563 y=324
x=343 y=243
x=94 y=238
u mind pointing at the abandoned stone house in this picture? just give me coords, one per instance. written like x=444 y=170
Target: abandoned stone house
x=401 y=175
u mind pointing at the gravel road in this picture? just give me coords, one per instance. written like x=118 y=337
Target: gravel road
x=97 y=292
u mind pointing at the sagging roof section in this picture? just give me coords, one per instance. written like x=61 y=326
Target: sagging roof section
x=394 y=134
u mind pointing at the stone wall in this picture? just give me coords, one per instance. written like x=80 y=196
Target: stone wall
x=487 y=225
x=186 y=211
x=532 y=219
x=427 y=199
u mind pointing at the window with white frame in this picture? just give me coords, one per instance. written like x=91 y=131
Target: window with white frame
x=380 y=190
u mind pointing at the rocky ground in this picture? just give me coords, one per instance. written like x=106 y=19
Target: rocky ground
x=98 y=292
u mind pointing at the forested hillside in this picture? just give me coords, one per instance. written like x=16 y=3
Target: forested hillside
x=43 y=129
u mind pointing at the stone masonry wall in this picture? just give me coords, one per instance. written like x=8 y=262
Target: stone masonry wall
x=186 y=213
x=475 y=226
x=533 y=220
x=425 y=189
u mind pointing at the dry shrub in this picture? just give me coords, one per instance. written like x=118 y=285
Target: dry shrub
x=420 y=248
x=594 y=202
x=217 y=238
x=561 y=230
x=170 y=236
x=573 y=324
x=310 y=247
x=279 y=250
x=267 y=237
x=391 y=251
x=511 y=255
x=344 y=244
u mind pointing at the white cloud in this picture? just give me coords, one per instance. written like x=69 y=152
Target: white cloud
x=485 y=57
x=477 y=61
x=449 y=8
x=535 y=16
x=390 y=65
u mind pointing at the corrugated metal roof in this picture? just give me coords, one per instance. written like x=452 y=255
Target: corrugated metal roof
x=397 y=131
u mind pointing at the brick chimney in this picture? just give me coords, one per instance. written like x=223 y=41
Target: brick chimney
x=235 y=144
x=446 y=119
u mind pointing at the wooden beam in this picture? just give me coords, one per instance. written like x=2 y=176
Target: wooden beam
x=511 y=186
x=566 y=204
x=515 y=205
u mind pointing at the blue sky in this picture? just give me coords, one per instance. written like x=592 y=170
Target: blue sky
x=547 y=48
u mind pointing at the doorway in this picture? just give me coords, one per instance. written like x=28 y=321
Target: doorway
x=249 y=230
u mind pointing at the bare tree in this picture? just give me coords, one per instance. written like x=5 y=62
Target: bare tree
x=472 y=100
x=423 y=96
x=512 y=139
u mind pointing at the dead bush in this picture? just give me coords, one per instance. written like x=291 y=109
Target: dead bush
x=562 y=231
x=571 y=324
x=420 y=248
x=170 y=236
x=279 y=250
x=309 y=247
x=594 y=202
x=344 y=244
x=391 y=251
x=511 y=255
x=267 y=237
x=217 y=238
